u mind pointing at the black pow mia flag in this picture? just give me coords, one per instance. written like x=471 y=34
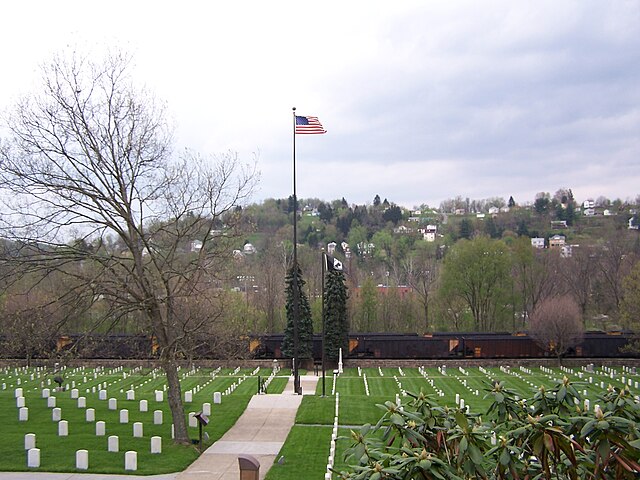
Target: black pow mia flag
x=333 y=264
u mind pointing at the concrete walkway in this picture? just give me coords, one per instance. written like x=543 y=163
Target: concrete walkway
x=260 y=431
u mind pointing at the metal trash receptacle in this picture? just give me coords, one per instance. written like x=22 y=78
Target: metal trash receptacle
x=249 y=467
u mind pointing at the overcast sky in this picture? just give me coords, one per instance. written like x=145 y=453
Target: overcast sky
x=422 y=100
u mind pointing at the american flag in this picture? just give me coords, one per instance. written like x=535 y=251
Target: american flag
x=308 y=125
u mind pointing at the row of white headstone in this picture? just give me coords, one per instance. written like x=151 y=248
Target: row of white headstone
x=82 y=456
x=334 y=437
x=430 y=381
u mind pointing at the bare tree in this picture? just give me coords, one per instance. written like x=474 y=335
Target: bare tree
x=579 y=273
x=29 y=322
x=614 y=263
x=535 y=274
x=421 y=272
x=556 y=325
x=89 y=158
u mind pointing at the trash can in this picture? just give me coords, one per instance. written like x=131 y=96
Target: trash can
x=249 y=467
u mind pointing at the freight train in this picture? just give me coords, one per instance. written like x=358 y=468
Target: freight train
x=361 y=345
x=455 y=345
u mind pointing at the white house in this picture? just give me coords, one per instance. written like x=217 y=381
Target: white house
x=429 y=233
x=537 y=242
x=331 y=247
x=248 y=249
x=566 y=251
x=589 y=204
x=493 y=210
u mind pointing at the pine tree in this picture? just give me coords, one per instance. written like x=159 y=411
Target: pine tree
x=336 y=326
x=305 y=321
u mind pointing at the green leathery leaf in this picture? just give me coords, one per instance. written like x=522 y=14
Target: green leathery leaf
x=475 y=454
x=505 y=457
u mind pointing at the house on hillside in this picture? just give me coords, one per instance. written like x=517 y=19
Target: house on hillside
x=493 y=210
x=537 y=242
x=402 y=229
x=557 y=242
x=566 y=251
x=558 y=224
x=429 y=233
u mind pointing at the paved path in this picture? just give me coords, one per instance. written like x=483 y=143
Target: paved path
x=260 y=431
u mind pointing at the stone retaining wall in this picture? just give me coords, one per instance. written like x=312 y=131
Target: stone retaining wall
x=348 y=363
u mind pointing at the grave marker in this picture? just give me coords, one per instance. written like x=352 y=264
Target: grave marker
x=113 y=443
x=33 y=458
x=82 y=459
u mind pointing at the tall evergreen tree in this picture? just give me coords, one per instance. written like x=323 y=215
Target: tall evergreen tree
x=466 y=229
x=305 y=321
x=336 y=326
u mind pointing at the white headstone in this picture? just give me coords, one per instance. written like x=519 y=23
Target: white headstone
x=51 y=402
x=217 y=397
x=74 y=395
x=82 y=459
x=193 y=421
x=156 y=444
x=113 y=443
x=144 y=406
x=131 y=395
x=82 y=402
x=102 y=395
x=188 y=396
x=124 y=416
x=90 y=415
x=23 y=414
x=20 y=402
x=137 y=429
x=18 y=391
x=206 y=409
x=56 y=414
x=131 y=460
x=113 y=404
x=29 y=441
x=159 y=395
x=63 y=428
x=33 y=458
x=157 y=417
x=46 y=393
x=101 y=428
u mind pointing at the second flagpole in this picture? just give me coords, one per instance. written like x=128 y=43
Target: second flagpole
x=296 y=299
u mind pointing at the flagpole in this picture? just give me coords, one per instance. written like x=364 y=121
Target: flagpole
x=296 y=299
x=324 y=260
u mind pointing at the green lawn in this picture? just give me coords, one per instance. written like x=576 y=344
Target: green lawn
x=57 y=454
x=307 y=447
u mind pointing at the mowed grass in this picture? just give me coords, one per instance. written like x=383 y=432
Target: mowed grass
x=57 y=454
x=307 y=447
x=356 y=408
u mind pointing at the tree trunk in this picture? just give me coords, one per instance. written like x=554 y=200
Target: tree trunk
x=174 y=397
